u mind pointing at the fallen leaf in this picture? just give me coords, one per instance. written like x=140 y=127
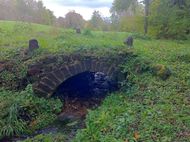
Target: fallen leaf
x=136 y=136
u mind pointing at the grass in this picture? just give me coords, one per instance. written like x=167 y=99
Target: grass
x=154 y=109
x=147 y=109
x=24 y=113
x=51 y=39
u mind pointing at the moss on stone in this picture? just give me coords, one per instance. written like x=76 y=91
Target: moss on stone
x=161 y=71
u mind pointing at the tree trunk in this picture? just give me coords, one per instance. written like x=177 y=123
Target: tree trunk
x=147 y=3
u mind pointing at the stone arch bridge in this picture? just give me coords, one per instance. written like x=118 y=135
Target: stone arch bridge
x=51 y=71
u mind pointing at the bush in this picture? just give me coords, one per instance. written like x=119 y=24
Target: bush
x=22 y=112
x=161 y=71
x=87 y=32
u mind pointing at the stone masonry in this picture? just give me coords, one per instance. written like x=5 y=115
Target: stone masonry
x=48 y=73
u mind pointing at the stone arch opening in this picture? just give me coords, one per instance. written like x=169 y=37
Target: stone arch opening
x=49 y=81
x=86 y=85
x=84 y=91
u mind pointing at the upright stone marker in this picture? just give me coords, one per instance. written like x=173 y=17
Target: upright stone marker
x=33 y=44
x=78 y=31
x=129 y=41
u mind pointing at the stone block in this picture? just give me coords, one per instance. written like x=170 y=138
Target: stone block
x=58 y=74
x=51 y=77
x=48 y=82
x=79 y=68
x=65 y=72
x=72 y=70
x=45 y=88
x=83 y=66
x=87 y=64
x=34 y=71
x=39 y=92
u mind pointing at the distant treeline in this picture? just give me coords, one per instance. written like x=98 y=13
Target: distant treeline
x=158 y=18
x=26 y=10
x=35 y=12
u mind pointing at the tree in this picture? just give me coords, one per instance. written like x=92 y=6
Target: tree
x=120 y=6
x=114 y=22
x=126 y=14
x=74 y=20
x=60 y=22
x=96 y=20
x=147 y=5
x=179 y=3
x=170 y=19
x=26 y=10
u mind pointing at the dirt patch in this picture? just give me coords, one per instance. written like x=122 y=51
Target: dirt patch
x=76 y=108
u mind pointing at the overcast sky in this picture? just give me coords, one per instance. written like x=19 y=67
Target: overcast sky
x=83 y=7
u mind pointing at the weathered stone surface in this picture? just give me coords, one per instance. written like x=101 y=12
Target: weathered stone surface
x=103 y=84
x=87 y=64
x=40 y=92
x=83 y=66
x=129 y=41
x=111 y=70
x=51 y=77
x=101 y=66
x=33 y=71
x=48 y=82
x=79 y=68
x=72 y=70
x=78 y=31
x=51 y=71
x=65 y=71
x=49 y=60
x=45 y=87
x=33 y=44
x=59 y=75
x=96 y=66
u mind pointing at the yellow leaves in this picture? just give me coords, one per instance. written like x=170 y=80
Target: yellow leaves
x=33 y=123
x=136 y=136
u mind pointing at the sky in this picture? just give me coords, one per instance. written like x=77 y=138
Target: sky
x=83 y=7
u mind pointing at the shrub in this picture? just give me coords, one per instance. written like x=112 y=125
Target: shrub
x=161 y=71
x=87 y=32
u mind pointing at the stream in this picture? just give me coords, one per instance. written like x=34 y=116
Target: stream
x=80 y=93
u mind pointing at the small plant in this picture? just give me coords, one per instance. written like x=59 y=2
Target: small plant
x=87 y=32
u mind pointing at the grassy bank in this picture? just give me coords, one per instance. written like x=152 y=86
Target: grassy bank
x=147 y=109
